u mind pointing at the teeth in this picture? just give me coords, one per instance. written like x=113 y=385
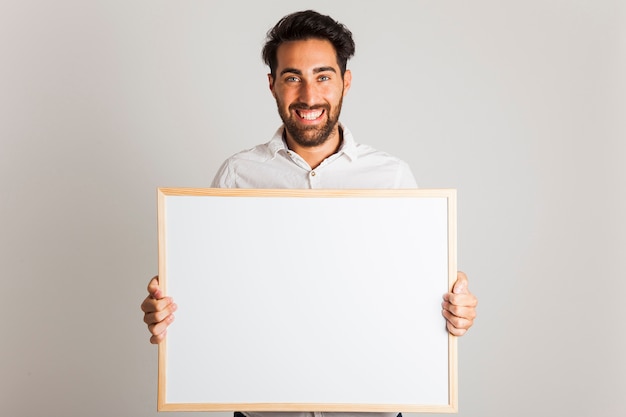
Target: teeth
x=310 y=115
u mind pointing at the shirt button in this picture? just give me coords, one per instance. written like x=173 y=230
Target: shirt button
x=312 y=173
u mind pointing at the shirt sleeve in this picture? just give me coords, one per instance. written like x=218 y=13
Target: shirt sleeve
x=405 y=178
x=223 y=177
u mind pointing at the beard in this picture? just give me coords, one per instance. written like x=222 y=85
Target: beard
x=310 y=136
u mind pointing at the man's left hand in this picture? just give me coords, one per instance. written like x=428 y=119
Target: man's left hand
x=459 y=306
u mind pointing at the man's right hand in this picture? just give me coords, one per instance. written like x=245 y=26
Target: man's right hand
x=158 y=311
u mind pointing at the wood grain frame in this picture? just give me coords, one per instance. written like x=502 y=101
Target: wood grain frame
x=190 y=378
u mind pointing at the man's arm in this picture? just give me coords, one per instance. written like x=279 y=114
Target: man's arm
x=459 y=306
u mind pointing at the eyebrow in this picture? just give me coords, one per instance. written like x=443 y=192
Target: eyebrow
x=315 y=70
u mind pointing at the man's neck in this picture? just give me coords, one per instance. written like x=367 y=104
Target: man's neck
x=314 y=155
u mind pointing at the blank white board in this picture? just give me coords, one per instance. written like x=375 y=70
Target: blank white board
x=307 y=300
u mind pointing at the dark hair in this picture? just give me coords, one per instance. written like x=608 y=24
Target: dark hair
x=307 y=25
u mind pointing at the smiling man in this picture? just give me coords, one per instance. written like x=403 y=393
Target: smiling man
x=307 y=54
x=309 y=86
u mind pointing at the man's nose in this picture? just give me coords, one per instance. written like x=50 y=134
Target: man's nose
x=308 y=93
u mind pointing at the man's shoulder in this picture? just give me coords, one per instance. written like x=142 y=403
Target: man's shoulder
x=261 y=152
x=367 y=153
x=258 y=153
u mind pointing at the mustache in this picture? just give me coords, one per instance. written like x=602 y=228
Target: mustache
x=303 y=106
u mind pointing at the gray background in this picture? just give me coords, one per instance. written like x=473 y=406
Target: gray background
x=519 y=105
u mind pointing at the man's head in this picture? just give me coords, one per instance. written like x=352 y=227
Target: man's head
x=309 y=25
x=307 y=54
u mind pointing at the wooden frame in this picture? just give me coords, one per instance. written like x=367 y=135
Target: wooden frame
x=307 y=300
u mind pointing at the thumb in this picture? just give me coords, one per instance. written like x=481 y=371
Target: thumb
x=154 y=290
x=460 y=286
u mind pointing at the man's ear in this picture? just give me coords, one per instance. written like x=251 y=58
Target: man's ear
x=347 y=81
x=270 y=80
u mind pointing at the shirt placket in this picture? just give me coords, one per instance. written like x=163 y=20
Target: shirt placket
x=314 y=179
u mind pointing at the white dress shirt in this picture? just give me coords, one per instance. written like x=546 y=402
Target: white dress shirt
x=353 y=166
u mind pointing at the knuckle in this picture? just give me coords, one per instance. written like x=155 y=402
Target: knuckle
x=158 y=317
x=453 y=309
x=155 y=329
x=162 y=304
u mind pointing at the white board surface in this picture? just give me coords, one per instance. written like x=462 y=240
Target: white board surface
x=302 y=300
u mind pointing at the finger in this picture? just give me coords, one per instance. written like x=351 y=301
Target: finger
x=454 y=331
x=161 y=326
x=156 y=339
x=462 y=300
x=457 y=325
x=150 y=305
x=461 y=284
x=160 y=314
x=468 y=313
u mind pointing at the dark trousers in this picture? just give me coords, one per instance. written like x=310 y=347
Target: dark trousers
x=238 y=414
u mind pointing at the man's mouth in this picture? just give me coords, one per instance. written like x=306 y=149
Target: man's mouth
x=310 y=114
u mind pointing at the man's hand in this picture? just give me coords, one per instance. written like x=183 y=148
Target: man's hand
x=158 y=311
x=459 y=306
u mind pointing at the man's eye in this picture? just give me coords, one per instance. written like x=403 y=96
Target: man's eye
x=292 y=79
x=324 y=78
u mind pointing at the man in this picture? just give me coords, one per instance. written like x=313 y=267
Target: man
x=307 y=54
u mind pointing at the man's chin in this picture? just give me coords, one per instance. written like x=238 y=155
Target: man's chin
x=310 y=139
x=310 y=143
x=310 y=136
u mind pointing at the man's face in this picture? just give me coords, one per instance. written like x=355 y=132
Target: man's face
x=309 y=90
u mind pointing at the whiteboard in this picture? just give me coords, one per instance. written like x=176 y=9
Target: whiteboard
x=307 y=300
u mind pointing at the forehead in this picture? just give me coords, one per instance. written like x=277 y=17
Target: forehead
x=306 y=54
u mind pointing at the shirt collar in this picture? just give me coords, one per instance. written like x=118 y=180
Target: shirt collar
x=277 y=144
x=348 y=145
